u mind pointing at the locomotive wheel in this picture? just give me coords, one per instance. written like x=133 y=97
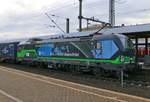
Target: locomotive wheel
x=97 y=71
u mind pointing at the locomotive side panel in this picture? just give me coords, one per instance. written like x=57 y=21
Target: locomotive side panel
x=57 y=50
x=89 y=52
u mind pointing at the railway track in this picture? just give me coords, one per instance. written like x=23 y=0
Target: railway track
x=127 y=82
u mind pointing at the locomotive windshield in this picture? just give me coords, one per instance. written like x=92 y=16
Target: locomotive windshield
x=126 y=42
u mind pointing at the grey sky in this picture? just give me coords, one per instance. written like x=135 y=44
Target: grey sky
x=25 y=18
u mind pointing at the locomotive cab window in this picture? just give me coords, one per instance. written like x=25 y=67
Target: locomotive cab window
x=130 y=44
x=127 y=43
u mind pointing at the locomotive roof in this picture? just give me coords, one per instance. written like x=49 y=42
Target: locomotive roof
x=66 y=37
x=58 y=37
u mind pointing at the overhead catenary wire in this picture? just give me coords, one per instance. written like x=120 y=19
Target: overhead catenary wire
x=63 y=7
x=55 y=23
x=73 y=4
x=135 y=11
x=121 y=1
x=58 y=16
x=127 y=12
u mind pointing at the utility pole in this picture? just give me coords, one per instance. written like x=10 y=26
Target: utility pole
x=80 y=15
x=112 y=12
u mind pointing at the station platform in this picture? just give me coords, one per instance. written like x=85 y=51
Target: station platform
x=20 y=86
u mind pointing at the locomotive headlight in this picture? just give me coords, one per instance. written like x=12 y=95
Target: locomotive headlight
x=122 y=58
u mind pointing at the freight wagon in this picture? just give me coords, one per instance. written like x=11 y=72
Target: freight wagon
x=8 y=51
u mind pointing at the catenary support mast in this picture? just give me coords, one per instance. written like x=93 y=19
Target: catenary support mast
x=112 y=12
x=80 y=15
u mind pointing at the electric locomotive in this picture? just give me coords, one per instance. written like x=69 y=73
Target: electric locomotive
x=87 y=52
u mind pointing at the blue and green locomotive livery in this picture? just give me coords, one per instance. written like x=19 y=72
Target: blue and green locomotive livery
x=109 y=52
